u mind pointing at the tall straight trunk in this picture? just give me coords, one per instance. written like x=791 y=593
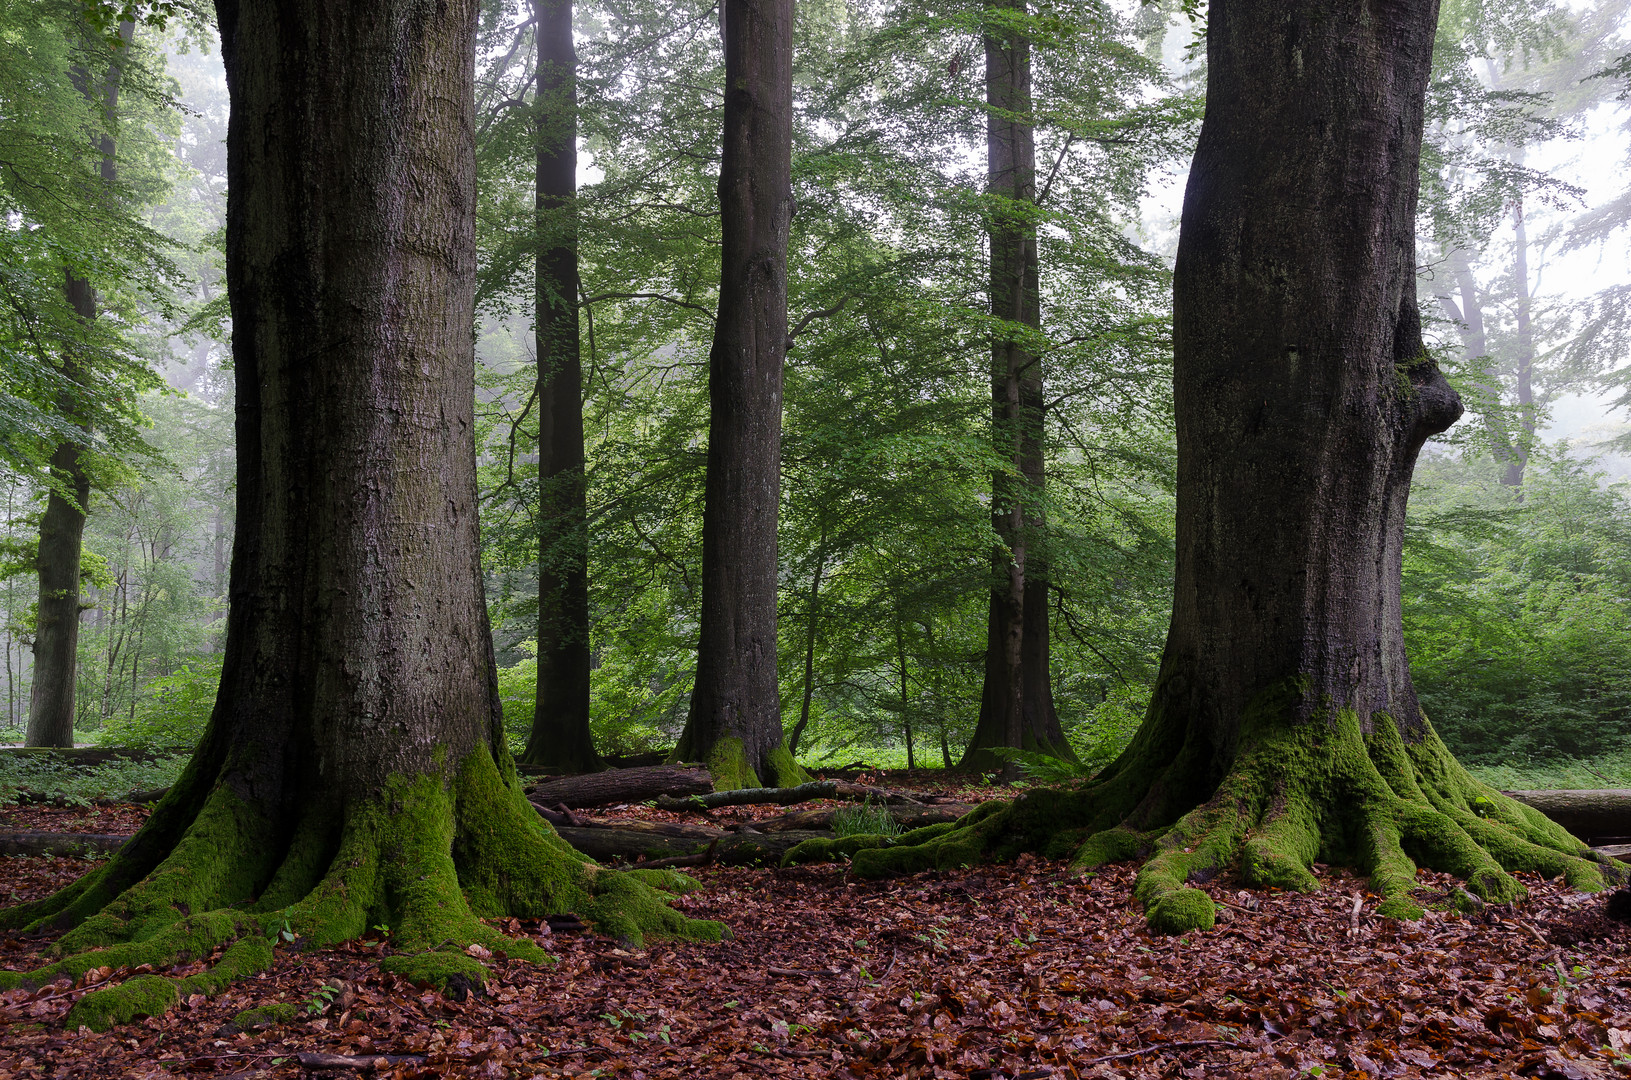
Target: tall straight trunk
x=1523 y=377
x=1016 y=704
x=1284 y=727
x=560 y=736
x=354 y=770
x=735 y=720
x=62 y=529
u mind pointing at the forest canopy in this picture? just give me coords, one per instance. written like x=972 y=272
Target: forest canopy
x=1518 y=548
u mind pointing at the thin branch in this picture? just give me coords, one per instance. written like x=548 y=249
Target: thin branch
x=824 y=313
x=1054 y=172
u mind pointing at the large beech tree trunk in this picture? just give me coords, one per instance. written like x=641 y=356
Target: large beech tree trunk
x=62 y=528
x=354 y=771
x=560 y=736
x=735 y=720
x=1016 y=704
x=1284 y=727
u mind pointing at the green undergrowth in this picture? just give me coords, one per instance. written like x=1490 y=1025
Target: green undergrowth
x=431 y=857
x=75 y=785
x=866 y=819
x=1295 y=794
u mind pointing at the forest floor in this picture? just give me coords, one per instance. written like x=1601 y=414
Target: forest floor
x=1015 y=971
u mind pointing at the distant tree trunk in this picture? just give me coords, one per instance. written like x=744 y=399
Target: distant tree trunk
x=1284 y=727
x=560 y=738
x=809 y=644
x=62 y=529
x=735 y=720
x=354 y=769
x=1016 y=704
x=905 y=700
x=1525 y=360
x=1467 y=310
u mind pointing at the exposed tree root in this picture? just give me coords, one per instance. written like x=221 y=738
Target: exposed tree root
x=426 y=859
x=1294 y=794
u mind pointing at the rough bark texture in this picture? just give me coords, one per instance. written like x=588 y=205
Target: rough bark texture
x=560 y=736
x=1016 y=705
x=735 y=720
x=622 y=785
x=354 y=770
x=62 y=528
x=1284 y=728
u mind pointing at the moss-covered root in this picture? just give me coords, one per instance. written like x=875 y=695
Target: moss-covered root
x=1296 y=793
x=152 y=995
x=428 y=857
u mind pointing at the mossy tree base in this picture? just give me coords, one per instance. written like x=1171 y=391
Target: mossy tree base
x=427 y=858
x=1296 y=793
x=730 y=765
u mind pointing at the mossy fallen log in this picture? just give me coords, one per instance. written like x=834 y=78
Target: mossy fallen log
x=622 y=786
x=908 y=817
x=60 y=843
x=1589 y=814
x=787 y=796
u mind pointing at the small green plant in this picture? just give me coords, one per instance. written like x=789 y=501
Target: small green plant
x=866 y=819
x=321 y=998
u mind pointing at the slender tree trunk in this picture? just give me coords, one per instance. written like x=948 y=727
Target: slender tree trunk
x=62 y=529
x=735 y=720
x=905 y=701
x=1524 y=375
x=1284 y=727
x=809 y=644
x=1016 y=704
x=1467 y=310
x=354 y=770
x=560 y=736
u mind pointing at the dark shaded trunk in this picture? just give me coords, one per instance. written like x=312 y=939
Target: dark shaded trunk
x=1016 y=704
x=1303 y=388
x=62 y=528
x=735 y=720
x=354 y=769
x=1284 y=728
x=56 y=627
x=560 y=736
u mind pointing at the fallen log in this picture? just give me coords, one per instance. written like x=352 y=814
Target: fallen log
x=622 y=786
x=815 y=789
x=908 y=817
x=1589 y=814
x=60 y=843
x=634 y=845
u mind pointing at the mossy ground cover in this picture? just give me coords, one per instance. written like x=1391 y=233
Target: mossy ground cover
x=1025 y=968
